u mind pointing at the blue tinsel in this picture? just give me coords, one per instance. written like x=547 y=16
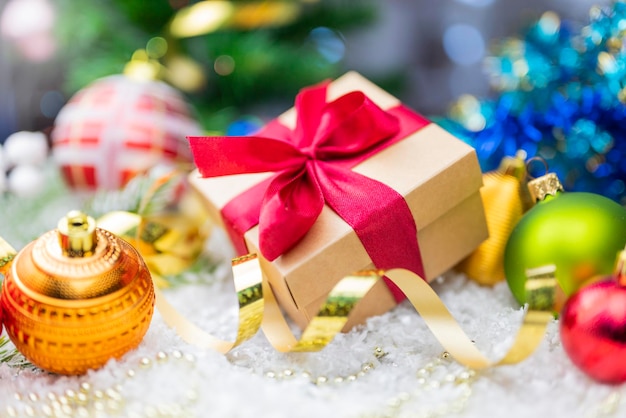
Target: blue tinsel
x=561 y=96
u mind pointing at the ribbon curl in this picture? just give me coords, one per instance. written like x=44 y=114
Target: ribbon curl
x=312 y=166
x=258 y=309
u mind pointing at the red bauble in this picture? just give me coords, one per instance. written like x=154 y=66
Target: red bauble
x=118 y=127
x=593 y=330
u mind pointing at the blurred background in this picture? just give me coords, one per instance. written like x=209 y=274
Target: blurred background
x=543 y=76
x=428 y=52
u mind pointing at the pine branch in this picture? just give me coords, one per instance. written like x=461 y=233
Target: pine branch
x=12 y=357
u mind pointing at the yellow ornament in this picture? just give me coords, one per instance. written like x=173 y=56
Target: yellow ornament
x=75 y=297
x=505 y=198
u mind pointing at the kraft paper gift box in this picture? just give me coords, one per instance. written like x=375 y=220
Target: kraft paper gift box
x=437 y=174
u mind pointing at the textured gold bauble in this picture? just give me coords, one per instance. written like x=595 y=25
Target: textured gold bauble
x=67 y=314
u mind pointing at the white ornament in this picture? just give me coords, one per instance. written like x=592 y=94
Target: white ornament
x=26 y=148
x=2 y=159
x=26 y=180
x=3 y=180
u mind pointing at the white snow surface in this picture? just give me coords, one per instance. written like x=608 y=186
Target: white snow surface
x=237 y=384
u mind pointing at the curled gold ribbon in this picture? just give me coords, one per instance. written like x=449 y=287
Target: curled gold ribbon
x=258 y=308
x=250 y=291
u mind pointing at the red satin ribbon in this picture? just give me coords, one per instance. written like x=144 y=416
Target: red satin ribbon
x=313 y=167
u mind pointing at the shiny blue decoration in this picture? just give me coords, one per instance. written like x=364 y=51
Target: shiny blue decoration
x=244 y=126
x=561 y=95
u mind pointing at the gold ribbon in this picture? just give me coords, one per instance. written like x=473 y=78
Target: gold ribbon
x=250 y=295
x=258 y=308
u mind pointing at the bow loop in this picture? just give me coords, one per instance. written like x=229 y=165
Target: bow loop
x=351 y=125
x=309 y=108
x=223 y=156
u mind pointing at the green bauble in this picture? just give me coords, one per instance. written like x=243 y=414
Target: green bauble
x=579 y=233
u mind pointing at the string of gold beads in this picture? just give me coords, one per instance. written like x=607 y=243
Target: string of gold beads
x=323 y=379
x=87 y=400
x=401 y=405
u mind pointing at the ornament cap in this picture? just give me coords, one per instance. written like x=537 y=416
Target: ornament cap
x=548 y=184
x=514 y=166
x=77 y=234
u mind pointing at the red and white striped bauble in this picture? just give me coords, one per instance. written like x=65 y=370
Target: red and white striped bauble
x=118 y=127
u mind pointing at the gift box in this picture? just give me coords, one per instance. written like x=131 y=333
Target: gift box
x=437 y=175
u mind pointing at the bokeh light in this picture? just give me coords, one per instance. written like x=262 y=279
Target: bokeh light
x=156 y=47
x=464 y=44
x=247 y=125
x=51 y=102
x=477 y=3
x=224 y=65
x=23 y=18
x=201 y=18
x=185 y=73
x=28 y=24
x=328 y=43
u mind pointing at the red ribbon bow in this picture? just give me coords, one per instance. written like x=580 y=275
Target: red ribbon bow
x=313 y=167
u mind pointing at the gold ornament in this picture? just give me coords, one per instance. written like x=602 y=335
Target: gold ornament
x=76 y=297
x=168 y=243
x=505 y=198
x=168 y=230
